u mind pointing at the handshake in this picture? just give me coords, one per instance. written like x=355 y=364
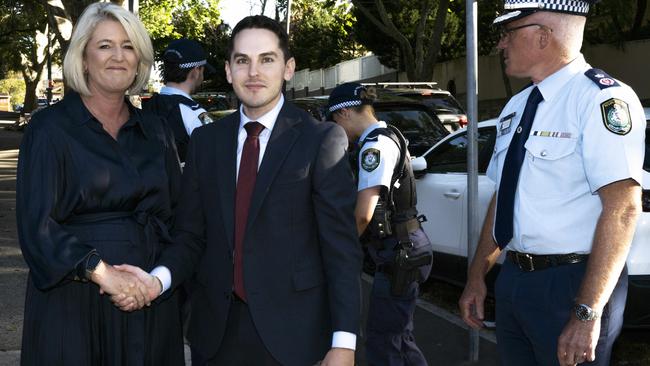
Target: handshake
x=130 y=287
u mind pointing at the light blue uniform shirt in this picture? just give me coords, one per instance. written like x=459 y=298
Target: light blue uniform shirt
x=388 y=153
x=190 y=116
x=570 y=154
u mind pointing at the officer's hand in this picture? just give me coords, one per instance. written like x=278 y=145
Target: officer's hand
x=471 y=303
x=577 y=343
x=338 y=357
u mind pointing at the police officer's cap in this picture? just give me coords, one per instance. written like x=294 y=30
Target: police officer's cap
x=346 y=96
x=516 y=9
x=187 y=54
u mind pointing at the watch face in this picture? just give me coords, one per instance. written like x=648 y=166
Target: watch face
x=584 y=313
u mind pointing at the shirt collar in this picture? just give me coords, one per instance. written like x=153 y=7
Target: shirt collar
x=553 y=84
x=169 y=90
x=372 y=127
x=81 y=115
x=267 y=120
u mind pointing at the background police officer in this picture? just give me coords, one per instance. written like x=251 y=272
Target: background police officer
x=184 y=66
x=385 y=206
x=568 y=165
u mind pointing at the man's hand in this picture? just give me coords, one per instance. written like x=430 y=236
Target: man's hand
x=151 y=288
x=577 y=343
x=114 y=282
x=338 y=357
x=471 y=303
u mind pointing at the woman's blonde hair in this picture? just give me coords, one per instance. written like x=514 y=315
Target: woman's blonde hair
x=73 y=68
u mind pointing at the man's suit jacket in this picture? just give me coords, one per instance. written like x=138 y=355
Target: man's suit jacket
x=302 y=258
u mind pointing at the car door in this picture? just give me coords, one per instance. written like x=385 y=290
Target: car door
x=442 y=190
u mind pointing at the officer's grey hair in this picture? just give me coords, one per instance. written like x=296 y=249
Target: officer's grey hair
x=568 y=30
x=73 y=68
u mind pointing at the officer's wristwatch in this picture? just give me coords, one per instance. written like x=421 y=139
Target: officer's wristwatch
x=585 y=313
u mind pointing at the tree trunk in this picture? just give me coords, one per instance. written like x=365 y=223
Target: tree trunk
x=433 y=48
x=641 y=6
x=30 y=96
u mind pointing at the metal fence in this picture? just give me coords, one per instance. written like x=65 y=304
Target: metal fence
x=362 y=68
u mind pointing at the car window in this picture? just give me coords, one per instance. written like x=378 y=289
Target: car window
x=420 y=128
x=440 y=102
x=451 y=156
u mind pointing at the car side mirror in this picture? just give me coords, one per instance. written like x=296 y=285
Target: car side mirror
x=419 y=164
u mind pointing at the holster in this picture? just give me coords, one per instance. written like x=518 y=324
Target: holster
x=405 y=271
x=406 y=268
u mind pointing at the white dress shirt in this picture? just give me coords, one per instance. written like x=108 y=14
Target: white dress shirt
x=570 y=154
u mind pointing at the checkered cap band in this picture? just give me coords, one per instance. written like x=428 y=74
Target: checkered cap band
x=191 y=65
x=564 y=6
x=347 y=104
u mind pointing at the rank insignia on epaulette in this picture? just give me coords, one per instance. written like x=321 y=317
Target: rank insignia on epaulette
x=616 y=116
x=205 y=118
x=601 y=78
x=370 y=159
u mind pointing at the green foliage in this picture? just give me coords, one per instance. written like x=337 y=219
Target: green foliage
x=167 y=20
x=322 y=34
x=13 y=85
x=609 y=23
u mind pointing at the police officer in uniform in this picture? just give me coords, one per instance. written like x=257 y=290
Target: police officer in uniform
x=568 y=165
x=184 y=66
x=386 y=212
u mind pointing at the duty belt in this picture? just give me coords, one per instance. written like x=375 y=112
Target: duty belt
x=404 y=228
x=532 y=262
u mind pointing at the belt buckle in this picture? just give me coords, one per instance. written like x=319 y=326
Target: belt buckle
x=527 y=264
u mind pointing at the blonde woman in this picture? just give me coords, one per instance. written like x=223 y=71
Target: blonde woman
x=97 y=179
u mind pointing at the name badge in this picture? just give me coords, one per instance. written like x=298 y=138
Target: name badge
x=505 y=123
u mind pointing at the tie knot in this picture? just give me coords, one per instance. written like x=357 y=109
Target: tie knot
x=535 y=96
x=253 y=128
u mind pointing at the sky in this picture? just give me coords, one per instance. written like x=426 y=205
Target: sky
x=232 y=11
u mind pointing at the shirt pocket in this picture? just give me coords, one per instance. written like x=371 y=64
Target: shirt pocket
x=550 y=148
x=552 y=169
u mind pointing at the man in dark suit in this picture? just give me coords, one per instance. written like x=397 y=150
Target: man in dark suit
x=277 y=260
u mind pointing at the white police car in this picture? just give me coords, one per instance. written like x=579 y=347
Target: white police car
x=442 y=197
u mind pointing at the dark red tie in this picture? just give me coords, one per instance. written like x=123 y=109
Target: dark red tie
x=245 y=184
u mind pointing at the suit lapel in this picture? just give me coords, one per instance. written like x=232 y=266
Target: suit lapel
x=283 y=136
x=227 y=171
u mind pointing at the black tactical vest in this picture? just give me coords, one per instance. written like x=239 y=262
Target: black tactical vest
x=401 y=197
x=167 y=106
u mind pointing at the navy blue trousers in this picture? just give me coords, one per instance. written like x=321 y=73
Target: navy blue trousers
x=532 y=309
x=389 y=330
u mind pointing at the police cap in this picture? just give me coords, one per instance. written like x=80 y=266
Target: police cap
x=516 y=9
x=187 y=54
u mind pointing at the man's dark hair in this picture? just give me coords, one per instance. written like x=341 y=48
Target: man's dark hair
x=172 y=73
x=261 y=22
x=367 y=93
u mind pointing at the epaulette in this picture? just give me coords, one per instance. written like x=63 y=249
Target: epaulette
x=601 y=78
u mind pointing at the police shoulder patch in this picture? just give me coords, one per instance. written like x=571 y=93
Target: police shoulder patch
x=370 y=159
x=601 y=78
x=616 y=116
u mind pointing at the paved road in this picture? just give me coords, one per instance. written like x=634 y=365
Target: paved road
x=440 y=334
x=13 y=271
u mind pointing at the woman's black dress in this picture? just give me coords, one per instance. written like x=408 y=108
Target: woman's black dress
x=80 y=190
